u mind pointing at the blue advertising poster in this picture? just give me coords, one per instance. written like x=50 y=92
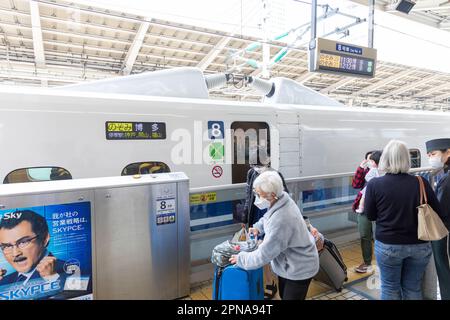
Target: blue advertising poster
x=46 y=252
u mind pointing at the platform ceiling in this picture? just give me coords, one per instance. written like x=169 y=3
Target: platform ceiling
x=53 y=43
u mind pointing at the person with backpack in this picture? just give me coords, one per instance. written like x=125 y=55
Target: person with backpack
x=288 y=245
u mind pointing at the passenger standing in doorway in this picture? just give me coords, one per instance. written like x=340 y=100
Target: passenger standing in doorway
x=439 y=156
x=365 y=228
x=392 y=201
x=288 y=245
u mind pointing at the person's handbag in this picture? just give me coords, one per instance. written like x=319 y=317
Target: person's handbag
x=430 y=226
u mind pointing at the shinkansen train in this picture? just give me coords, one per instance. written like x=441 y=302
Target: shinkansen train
x=164 y=121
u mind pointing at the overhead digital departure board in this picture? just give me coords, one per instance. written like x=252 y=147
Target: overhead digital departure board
x=346 y=63
x=122 y=130
x=341 y=58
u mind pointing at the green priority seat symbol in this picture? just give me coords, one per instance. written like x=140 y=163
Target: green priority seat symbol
x=216 y=150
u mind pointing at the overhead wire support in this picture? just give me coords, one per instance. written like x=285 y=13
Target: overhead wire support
x=328 y=12
x=255 y=45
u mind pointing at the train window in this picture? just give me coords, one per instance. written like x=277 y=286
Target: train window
x=145 y=168
x=37 y=174
x=415 y=158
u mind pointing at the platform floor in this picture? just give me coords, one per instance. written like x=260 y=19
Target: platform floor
x=358 y=287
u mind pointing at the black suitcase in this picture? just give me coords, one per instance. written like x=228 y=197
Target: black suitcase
x=333 y=270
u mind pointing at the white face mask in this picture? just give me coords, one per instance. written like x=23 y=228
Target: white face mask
x=261 y=203
x=436 y=162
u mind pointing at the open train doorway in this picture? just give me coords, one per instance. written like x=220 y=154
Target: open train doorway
x=251 y=145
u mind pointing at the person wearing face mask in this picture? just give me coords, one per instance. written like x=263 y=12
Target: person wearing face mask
x=259 y=159
x=367 y=170
x=373 y=172
x=288 y=245
x=438 y=151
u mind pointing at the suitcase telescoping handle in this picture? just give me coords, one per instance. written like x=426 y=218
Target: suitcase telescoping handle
x=218 y=275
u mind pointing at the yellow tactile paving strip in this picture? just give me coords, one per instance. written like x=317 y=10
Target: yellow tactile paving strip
x=351 y=253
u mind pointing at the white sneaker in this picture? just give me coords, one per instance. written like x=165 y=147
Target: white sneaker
x=364 y=268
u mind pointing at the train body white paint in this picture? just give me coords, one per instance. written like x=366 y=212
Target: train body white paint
x=66 y=128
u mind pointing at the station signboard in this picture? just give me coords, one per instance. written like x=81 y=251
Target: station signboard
x=341 y=58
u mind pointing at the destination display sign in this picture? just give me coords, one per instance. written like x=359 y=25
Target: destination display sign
x=345 y=63
x=121 y=130
x=340 y=58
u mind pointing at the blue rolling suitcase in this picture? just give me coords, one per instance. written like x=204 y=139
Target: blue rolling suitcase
x=234 y=283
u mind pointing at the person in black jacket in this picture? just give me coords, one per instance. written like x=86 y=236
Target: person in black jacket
x=253 y=213
x=392 y=201
x=439 y=156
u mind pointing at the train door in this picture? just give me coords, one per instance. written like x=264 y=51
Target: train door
x=247 y=136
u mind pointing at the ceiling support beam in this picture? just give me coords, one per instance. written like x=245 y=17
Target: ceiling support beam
x=305 y=77
x=413 y=16
x=412 y=85
x=213 y=53
x=344 y=81
x=442 y=97
x=135 y=47
x=38 y=44
x=432 y=90
x=384 y=82
x=426 y=5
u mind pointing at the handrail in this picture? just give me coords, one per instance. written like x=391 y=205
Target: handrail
x=292 y=180
x=320 y=177
x=209 y=232
x=288 y=180
x=414 y=170
x=217 y=188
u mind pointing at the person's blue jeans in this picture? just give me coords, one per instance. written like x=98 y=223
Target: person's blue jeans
x=401 y=269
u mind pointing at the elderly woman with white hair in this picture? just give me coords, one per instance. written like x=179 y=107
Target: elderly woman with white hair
x=288 y=245
x=392 y=201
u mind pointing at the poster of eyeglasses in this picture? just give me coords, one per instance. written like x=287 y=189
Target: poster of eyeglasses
x=46 y=252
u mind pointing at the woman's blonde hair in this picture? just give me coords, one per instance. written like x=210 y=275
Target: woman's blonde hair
x=395 y=158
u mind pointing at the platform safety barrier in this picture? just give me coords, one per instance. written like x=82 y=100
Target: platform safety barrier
x=325 y=199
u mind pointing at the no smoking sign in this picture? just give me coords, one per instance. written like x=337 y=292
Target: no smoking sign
x=217 y=171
